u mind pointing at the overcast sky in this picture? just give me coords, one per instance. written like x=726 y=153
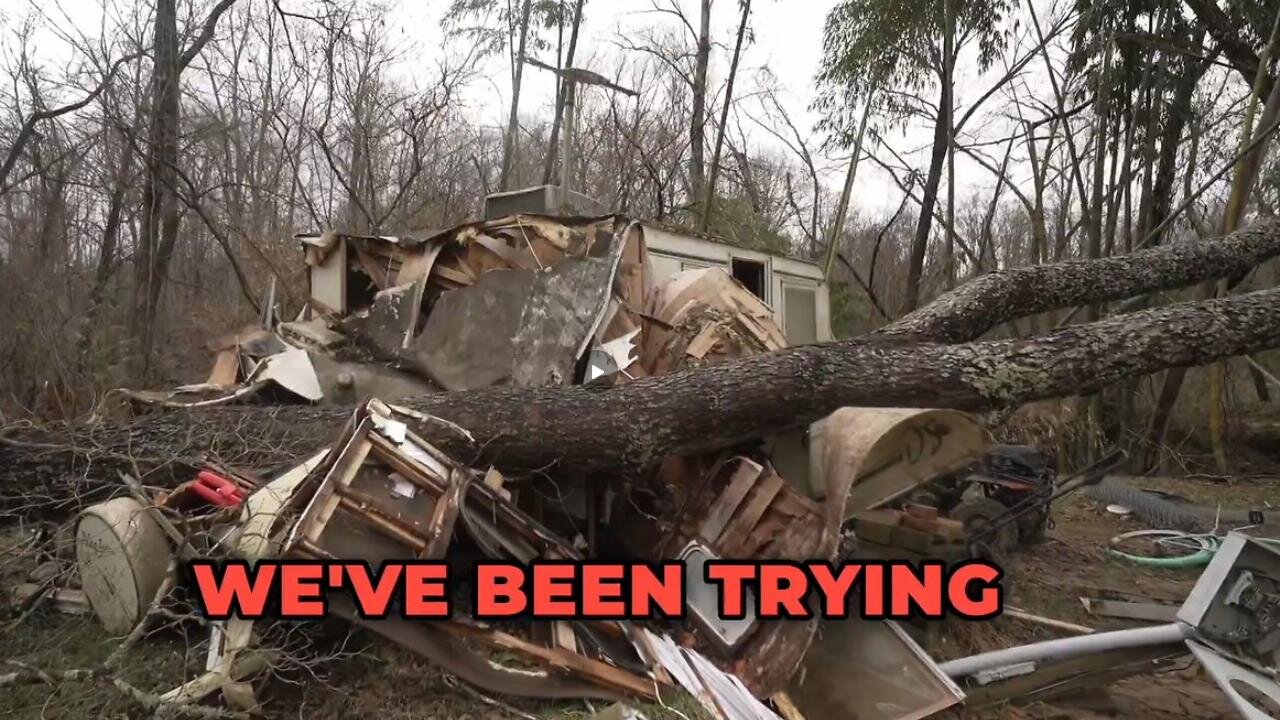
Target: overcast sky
x=787 y=39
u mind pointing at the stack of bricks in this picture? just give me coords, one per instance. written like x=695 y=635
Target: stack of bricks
x=915 y=533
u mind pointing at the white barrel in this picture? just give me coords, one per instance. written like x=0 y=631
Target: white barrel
x=122 y=555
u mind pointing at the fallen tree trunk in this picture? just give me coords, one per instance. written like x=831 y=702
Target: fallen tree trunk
x=995 y=298
x=630 y=427
x=639 y=423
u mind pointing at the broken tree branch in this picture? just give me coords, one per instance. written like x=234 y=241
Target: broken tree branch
x=29 y=125
x=998 y=297
x=630 y=427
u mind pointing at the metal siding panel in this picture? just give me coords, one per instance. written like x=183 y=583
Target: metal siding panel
x=800 y=306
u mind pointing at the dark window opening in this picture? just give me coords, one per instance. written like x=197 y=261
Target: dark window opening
x=751 y=274
x=360 y=287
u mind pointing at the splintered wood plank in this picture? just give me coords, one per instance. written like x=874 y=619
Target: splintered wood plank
x=704 y=341
x=495 y=481
x=480 y=260
x=226 y=368
x=413 y=470
x=563 y=636
x=377 y=268
x=445 y=515
x=503 y=251
x=452 y=274
x=371 y=511
x=722 y=510
x=342 y=473
x=417 y=265
x=752 y=326
x=557 y=659
x=744 y=522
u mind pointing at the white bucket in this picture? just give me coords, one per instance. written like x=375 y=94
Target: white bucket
x=122 y=555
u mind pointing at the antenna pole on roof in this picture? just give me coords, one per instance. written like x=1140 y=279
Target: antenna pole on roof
x=572 y=77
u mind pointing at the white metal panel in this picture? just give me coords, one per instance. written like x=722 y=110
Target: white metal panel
x=329 y=280
x=671 y=252
x=797 y=268
x=696 y=265
x=824 y=313
x=800 y=313
x=665 y=241
x=663 y=266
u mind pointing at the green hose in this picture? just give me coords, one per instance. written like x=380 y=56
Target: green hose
x=1208 y=547
x=1186 y=561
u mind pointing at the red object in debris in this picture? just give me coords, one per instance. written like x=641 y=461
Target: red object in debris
x=217 y=490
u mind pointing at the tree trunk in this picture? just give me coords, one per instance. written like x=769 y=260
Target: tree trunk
x=513 y=121
x=548 y=170
x=1155 y=79
x=630 y=427
x=929 y=198
x=107 y=252
x=1246 y=174
x=1170 y=140
x=949 y=110
x=698 y=118
x=1004 y=295
x=709 y=197
x=160 y=210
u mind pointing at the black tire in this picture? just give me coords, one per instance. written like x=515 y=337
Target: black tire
x=1032 y=527
x=975 y=512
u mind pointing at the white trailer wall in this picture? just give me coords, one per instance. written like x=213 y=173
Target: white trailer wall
x=792 y=288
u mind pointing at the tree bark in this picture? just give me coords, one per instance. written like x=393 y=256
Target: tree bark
x=159 y=206
x=1179 y=110
x=631 y=427
x=1246 y=174
x=998 y=297
x=698 y=118
x=628 y=428
x=553 y=144
x=929 y=198
x=1230 y=40
x=107 y=256
x=709 y=197
x=513 y=122
x=160 y=218
x=949 y=108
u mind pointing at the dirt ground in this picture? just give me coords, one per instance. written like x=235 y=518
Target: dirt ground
x=1048 y=580
x=347 y=675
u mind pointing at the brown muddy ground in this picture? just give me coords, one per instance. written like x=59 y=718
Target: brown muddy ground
x=1048 y=580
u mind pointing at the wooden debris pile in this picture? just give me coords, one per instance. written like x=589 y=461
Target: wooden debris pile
x=537 y=302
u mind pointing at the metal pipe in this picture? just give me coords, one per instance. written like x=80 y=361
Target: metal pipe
x=1064 y=648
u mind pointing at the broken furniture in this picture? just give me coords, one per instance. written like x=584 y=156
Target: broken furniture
x=388 y=493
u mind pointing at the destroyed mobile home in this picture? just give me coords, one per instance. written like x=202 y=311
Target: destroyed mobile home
x=536 y=301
